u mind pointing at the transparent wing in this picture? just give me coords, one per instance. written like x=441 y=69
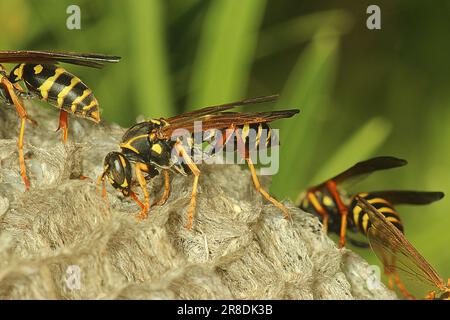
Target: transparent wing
x=397 y=253
x=189 y=116
x=225 y=120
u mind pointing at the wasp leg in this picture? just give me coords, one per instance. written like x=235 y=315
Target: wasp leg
x=166 y=193
x=243 y=150
x=136 y=199
x=139 y=168
x=64 y=124
x=401 y=287
x=390 y=280
x=23 y=117
x=194 y=169
x=22 y=93
x=399 y=282
x=389 y=270
x=101 y=181
x=320 y=209
x=343 y=211
x=264 y=193
x=430 y=296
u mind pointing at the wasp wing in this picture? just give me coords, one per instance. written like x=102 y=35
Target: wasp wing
x=93 y=60
x=223 y=120
x=396 y=252
x=219 y=108
x=362 y=169
x=408 y=197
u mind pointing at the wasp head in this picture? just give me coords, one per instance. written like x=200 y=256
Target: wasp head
x=117 y=169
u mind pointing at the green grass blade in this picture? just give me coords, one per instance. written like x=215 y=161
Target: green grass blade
x=360 y=146
x=226 y=51
x=291 y=33
x=309 y=87
x=148 y=59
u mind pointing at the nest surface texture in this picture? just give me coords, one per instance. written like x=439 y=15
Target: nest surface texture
x=60 y=241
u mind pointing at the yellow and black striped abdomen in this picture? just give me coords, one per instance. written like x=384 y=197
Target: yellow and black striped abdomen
x=361 y=219
x=59 y=87
x=255 y=136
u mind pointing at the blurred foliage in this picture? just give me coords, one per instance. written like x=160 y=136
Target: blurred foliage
x=361 y=93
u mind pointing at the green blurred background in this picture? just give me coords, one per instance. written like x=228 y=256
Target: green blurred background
x=362 y=93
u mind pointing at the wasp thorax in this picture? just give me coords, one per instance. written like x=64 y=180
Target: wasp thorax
x=117 y=169
x=17 y=73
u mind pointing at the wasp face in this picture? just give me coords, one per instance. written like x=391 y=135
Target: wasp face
x=117 y=169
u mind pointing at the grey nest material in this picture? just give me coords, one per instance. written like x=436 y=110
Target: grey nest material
x=240 y=246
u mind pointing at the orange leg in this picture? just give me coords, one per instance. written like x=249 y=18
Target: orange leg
x=343 y=211
x=256 y=183
x=18 y=87
x=398 y=281
x=264 y=193
x=390 y=279
x=23 y=117
x=139 y=169
x=23 y=95
x=320 y=209
x=136 y=199
x=194 y=169
x=166 y=193
x=430 y=296
x=64 y=124
x=402 y=288
x=101 y=181
x=389 y=270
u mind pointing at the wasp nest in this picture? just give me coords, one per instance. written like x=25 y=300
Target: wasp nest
x=61 y=241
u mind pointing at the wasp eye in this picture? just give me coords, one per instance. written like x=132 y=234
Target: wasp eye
x=117 y=165
x=118 y=170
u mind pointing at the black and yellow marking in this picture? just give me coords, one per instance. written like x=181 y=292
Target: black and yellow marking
x=320 y=202
x=59 y=87
x=254 y=136
x=361 y=218
x=133 y=143
x=140 y=144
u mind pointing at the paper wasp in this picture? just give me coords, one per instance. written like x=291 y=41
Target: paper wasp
x=339 y=212
x=45 y=80
x=399 y=256
x=147 y=148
